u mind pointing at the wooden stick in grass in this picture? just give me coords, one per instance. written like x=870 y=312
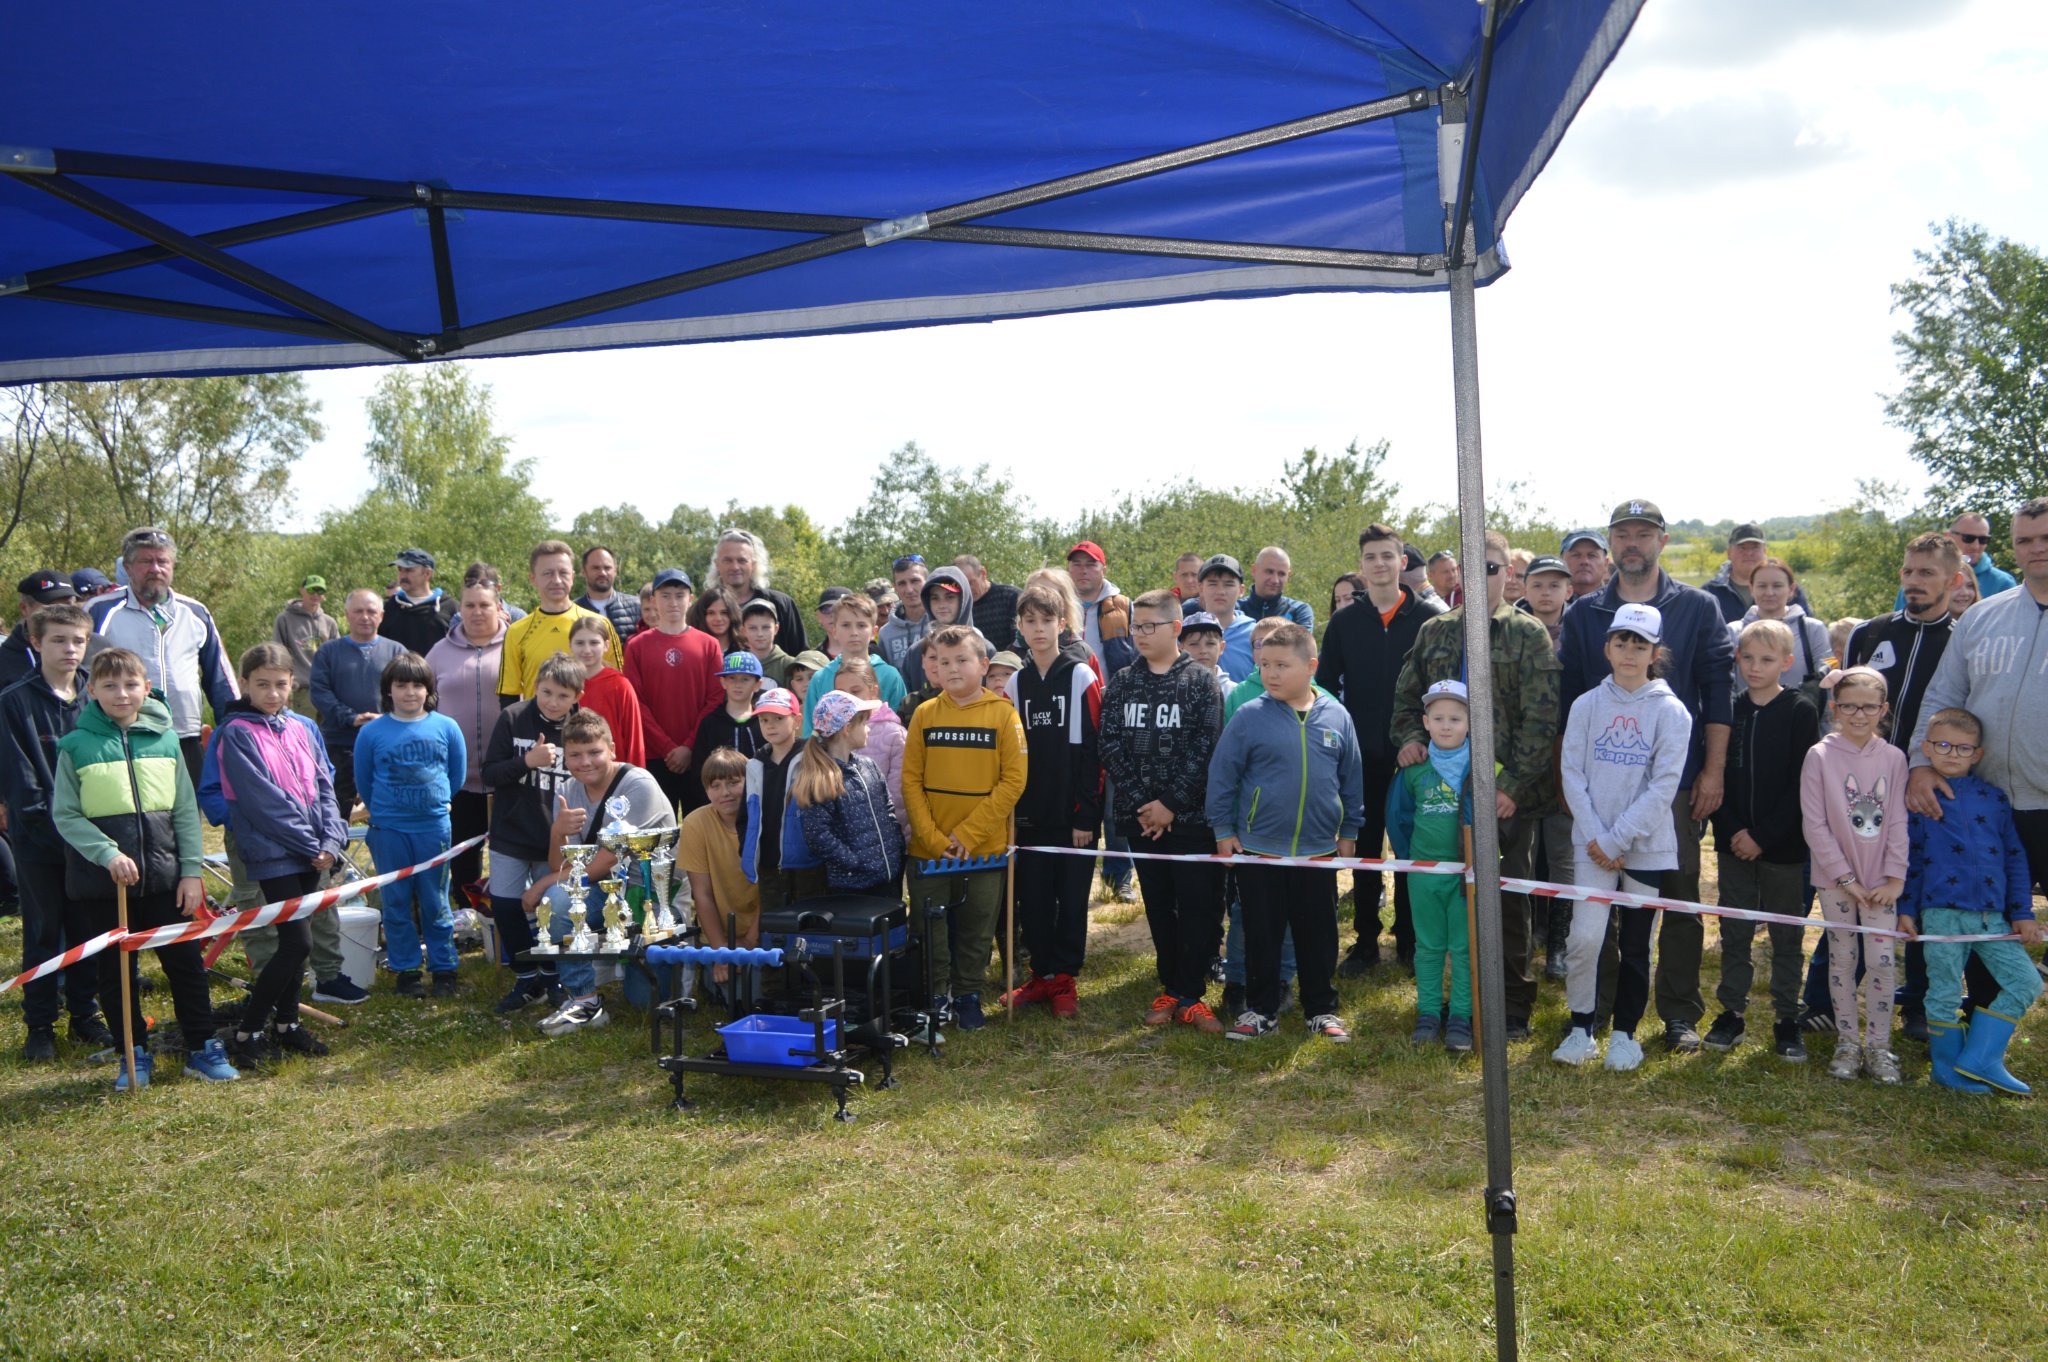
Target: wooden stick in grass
x=127 y=997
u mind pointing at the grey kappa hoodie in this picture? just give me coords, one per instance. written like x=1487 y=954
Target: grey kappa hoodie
x=1622 y=755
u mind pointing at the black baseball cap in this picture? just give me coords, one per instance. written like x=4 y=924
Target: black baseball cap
x=760 y=605
x=832 y=595
x=45 y=587
x=1546 y=563
x=1746 y=533
x=1221 y=562
x=1636 y=510
x=87 y=581
x=1412 y=559
x=672 y=577
x=1581 y=537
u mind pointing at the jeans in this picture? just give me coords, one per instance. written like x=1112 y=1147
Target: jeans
x=2006 y=961
x=578 y=976
x=1233 y=946
x=394 y=849
x=1278 y=899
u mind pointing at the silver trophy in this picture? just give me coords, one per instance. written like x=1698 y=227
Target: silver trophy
x=576 y=864
x=660 y=872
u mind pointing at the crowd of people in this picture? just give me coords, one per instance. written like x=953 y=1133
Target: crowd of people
x=1886 y=768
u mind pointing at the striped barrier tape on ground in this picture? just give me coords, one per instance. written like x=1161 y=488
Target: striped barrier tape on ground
x=287 y=910
x=1539 y=888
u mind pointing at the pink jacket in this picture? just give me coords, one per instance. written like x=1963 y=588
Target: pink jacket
x=886 y=736
x=1853 y=805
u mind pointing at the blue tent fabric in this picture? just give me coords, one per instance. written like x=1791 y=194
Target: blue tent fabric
x=849 y=115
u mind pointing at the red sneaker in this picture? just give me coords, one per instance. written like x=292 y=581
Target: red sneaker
x=1200 y=1017
x=1162 y=1010
x=1065 y=1003
x=1036 y=989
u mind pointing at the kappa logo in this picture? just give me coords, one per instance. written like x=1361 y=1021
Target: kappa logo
x=1623 y=744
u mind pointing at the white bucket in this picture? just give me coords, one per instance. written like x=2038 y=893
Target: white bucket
x=359 y=932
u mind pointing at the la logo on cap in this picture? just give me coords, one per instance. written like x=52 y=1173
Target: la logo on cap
x=1635 y=508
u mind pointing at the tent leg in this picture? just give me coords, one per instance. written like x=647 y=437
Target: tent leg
x=1492 y=993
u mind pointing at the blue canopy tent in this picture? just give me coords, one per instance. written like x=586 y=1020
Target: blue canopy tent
x=298 y=188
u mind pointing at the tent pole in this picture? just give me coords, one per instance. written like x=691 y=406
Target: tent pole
x=1492 y=994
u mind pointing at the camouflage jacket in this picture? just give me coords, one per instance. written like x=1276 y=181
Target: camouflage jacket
x=1526 y=714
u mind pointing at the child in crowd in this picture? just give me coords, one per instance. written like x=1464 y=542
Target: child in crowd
x=1255 y=685
x=1059 y=699
x=963 y=773
x=802 y=667
x=674 y=670
x=123 y=753
x=853 y=635
x=35 y=713
x=1852 y=795
x=596 y=778
x=551 y=569
x=1001 y=668
x=1201 y=638
x=280 y=796
x=848 y=820
x=1839 y=631
x=717 y=613
x=946 y=599
x=606 y=691
x=409 y=762
x=781 y=865
x=886 y=733
x=1758 y=829
x=1429 y=805
x=1967 y=875
x=758 y=623
x=1290 y=738
x=525 y=772
x=732 y=723
x=1624 y=748
x=708 y=851
x=1161 y=717
x=1814 y=654
x=1546 y=590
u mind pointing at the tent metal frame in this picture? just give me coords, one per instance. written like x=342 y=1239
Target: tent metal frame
x=62 y=172
x=1461 y=108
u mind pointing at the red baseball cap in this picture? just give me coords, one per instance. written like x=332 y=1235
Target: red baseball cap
x=1092 y=549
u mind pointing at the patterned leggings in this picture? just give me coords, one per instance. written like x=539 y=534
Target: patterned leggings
x=1880 y=955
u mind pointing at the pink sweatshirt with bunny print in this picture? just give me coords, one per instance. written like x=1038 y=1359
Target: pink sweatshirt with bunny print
x=1853 y=803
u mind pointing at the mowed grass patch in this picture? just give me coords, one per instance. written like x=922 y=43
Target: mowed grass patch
x=449 y=1184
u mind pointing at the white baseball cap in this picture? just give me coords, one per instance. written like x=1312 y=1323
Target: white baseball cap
x=1446 y=690
x=1646 y=621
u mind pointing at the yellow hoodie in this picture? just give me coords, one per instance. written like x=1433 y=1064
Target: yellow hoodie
x=963 y=772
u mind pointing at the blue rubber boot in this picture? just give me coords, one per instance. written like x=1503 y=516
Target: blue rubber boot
x=1944 y=1044
x=1983 y=1056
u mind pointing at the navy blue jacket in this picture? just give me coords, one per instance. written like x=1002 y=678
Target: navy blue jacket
x=1971 y=859
x=34 y=718
x=856 y=835
x=345 y=683
x=1702 y=671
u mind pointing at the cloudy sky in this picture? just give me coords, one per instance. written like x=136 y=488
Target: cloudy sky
x=1699 y=312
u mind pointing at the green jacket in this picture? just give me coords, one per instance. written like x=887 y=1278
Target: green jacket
x=1526 y=711
x=1251 y=687
x=125 y=793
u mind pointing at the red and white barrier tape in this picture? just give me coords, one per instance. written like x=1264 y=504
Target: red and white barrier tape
x=286 y=910
x=1540 y=888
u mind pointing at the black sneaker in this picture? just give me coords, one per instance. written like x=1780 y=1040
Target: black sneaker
x=444 y=984
x=1787 y=1043
x=1816 y=1022
x=91 y=1031
x=1356 y=964
x=1517 y=1028
x=408 y=984
x=525 y=993
x=340 y=989
x=295 y=1040
x=1682 y=1038
x=41 y=1045
x=245 y=1051
x=1233 y=999
x=1726 y=1033
x=1913 y=1026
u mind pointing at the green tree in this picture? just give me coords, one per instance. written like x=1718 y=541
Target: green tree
x=1975 y=367
x=1854 y=553
x=915 y=505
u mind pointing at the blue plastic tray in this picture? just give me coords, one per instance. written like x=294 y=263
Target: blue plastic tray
x=765 y=1039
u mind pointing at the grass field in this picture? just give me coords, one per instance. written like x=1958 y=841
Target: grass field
x=449 y=1185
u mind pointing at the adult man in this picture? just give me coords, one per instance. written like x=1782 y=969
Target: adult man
x=1270 y=571
x=17 y=654
x=995 y=605
x=1415 y=576
x=601 y=594
x=1187 y=578
x=1972 y=534
x=1702 y=677
x=739 y=562
x=1446 y=578
x=1527 y=720
x=1996 y=667
x=345 y=679
x=1585 y=554
x=91 y=584
x=417 y=614
x=1907 y=647
x=302 y=627
x=1221 y=579
x=906 y=623
x=551 y=571
x=1361 y=659
x=1729 y=587
x=175 y=635
x=1105 y=613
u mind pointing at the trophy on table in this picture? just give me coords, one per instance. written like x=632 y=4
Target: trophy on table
x=651 y=849
x=661 y=871
x=544 y=915
x=576 y=865
x=617 y=917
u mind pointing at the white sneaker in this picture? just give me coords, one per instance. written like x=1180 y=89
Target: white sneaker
x=578 y=1015
x=1848 y=1060
x=1623 y=1052
x=1578 y=1047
